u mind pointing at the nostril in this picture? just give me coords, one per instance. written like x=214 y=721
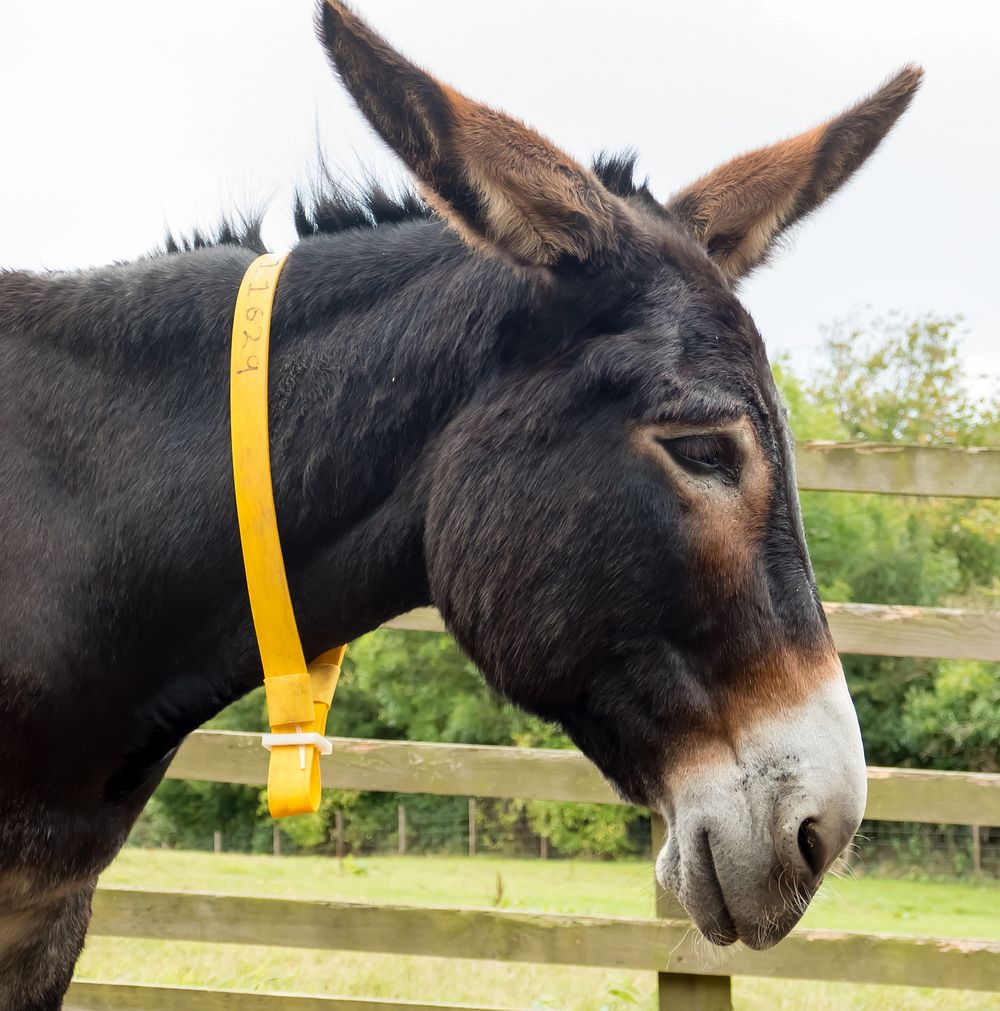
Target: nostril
x=811 y=847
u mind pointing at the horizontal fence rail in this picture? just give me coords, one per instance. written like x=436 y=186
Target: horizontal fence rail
x=871 y=629
x=601 y=942
x=91 y=995
x=898 y=630
x=221 y=756
x=893 y=469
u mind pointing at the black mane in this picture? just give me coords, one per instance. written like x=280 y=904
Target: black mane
x=331 y=206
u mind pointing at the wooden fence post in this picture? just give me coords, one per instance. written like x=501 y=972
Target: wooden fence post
x=977 y=850
x=338 y=832
x=472 y=826
x=543 y=847
x=276 y=840
x=402 y=830
x=680 y=991
x=217 y=841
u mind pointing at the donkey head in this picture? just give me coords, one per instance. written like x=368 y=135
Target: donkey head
x=613 y=532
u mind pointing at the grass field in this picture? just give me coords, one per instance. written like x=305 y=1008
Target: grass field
x=615 y=889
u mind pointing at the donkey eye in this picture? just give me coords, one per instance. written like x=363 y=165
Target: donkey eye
x=706 y=454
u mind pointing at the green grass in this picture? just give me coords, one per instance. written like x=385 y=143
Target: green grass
x=621 y=888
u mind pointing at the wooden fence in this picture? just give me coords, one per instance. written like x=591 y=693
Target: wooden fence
x=664 y=945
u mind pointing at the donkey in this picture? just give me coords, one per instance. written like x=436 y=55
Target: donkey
x=539 y=406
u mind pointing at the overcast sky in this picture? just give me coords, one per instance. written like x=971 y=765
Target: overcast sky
x=121 y=119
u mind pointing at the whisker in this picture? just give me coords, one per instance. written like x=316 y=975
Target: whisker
x=683 y=939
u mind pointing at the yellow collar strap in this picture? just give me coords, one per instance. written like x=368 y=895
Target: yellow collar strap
x=298 y=697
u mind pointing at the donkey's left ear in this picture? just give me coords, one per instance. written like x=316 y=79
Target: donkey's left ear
x=739 y=211
x=500 y=184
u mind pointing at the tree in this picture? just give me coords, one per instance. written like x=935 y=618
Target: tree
x=894 y=379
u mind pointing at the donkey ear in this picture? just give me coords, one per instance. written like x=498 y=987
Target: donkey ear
x=739 y=211
x=499 y=183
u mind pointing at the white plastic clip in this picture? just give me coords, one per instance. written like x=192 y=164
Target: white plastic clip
x=299 y=740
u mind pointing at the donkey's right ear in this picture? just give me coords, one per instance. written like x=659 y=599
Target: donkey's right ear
x=500 y=184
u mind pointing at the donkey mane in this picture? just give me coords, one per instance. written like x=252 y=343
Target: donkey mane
x=332 y=206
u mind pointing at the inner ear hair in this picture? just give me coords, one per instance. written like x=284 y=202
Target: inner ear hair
x=739 y=211
x=499 y=183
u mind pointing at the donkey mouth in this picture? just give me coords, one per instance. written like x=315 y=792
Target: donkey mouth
x=694 y=879
x=725 y=902
x=713 y=919
x=706 y=903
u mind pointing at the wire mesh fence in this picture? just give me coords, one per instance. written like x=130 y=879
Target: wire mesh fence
x=908 y=849
x=387 y=824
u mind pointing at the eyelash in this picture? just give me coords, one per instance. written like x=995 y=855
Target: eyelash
x=706 y=454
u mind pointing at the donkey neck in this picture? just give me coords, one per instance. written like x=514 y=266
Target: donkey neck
x=380 y=338
x=115 y=383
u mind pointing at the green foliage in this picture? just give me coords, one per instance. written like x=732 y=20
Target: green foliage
x=901 y=380
x=187 y=815
x=421 y=687
x=585 y=829
x=884 y=380
x=812 y=415
x=954 y=722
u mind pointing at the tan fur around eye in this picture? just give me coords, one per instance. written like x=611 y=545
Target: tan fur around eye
x=725 y=524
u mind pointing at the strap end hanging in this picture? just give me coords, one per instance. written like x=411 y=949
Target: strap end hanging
x=297 y=702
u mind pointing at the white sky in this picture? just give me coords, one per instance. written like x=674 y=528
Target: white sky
x=123 y=118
